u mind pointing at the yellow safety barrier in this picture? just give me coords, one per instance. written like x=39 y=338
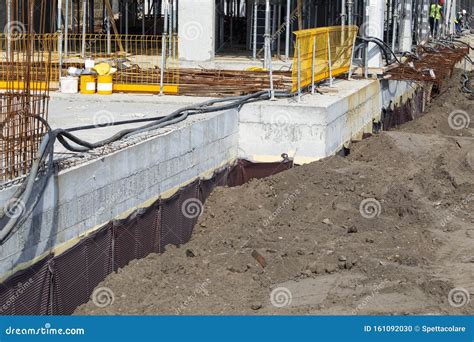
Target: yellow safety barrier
x=138 y=59
x=322 y=53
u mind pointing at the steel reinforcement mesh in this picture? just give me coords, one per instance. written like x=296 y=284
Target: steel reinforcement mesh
x=57 y=285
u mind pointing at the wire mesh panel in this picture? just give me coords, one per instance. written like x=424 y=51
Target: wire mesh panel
x=322 y=52
x=137 y=58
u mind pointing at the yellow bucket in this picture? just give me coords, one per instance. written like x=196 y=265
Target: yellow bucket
x=104 y=85
x=87 y=84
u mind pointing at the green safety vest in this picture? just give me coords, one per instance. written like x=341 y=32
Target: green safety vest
x=435 y=11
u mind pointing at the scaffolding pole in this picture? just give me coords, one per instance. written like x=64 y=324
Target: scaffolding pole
x=163 y=48
x=60 y=37
x=288 y=30
x=268 y=55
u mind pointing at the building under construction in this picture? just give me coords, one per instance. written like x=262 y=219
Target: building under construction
x=119 y=118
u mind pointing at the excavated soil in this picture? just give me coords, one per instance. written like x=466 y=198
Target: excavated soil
x=387 y=230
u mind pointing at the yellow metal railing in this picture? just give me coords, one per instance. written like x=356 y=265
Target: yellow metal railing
x=138 y=59
x=22 y=52
x=322 y=53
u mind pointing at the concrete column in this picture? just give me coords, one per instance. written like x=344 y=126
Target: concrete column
x=374 y=28
x=115 y=6
x=196 y=29
x=406 y=34
x=425 y=26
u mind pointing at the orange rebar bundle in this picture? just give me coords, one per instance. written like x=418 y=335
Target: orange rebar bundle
x=24 y=67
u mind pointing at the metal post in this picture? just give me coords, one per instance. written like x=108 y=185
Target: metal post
x=299 y=72
x=126 y=25
x=279 y=38
x=163 y=48
x=66 y=29
x=60 y=37
x=8 y=26
x=173 y=28
x=313 y=65
x=274 y=17
x=170 y=26
x=155 y=15
x=221 y=24
x=84 y=18
x=350 y=17
x=143 y=17
x=268 y=54
x=352 y=59
x=330 y=61
x=109 y=36
x=255 y=22
x=343 y=20
x=395 y=22
x=288 y=29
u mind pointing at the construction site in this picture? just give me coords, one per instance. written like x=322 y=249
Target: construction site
x=236 y=157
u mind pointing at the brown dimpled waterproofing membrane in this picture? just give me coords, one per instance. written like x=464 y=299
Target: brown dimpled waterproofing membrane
x=57 y=285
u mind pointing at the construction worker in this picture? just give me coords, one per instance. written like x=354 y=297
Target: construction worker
x=436 y=14
x=457 y=27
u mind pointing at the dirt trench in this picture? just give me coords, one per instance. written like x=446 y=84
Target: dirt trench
x=387 y=230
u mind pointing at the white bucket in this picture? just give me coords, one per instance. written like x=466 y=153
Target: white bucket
x=89 y=63
x=69 y=85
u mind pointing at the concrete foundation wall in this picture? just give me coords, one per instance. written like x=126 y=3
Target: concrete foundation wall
x=92 y=194
x=315 y=128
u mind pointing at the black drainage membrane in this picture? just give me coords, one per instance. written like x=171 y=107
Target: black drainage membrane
x=57 y=285
x=410 y=110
